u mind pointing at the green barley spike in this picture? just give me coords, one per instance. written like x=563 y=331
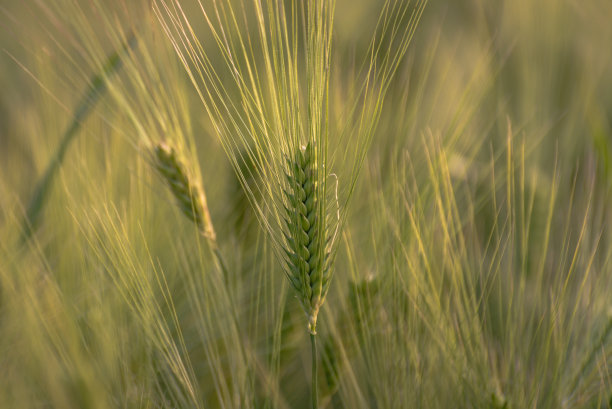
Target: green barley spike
x=306 y=232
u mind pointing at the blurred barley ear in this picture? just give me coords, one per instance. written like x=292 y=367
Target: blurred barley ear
x=188 y=193
x=95 y=90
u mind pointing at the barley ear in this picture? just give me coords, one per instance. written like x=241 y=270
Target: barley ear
x=307 y=254
x=189 y=194
x=97 y=87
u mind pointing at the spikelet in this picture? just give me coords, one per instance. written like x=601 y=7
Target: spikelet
x=307 y=261
x=188 y=193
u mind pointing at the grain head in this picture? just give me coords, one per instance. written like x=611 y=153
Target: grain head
x=307 y=250
x=187 y=191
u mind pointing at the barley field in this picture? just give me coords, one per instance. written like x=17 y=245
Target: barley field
x=306 y=204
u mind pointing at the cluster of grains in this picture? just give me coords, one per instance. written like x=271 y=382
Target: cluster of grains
x=188 y=193
x=307 y=259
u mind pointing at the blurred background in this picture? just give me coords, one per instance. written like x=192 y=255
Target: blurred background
x=475 y=267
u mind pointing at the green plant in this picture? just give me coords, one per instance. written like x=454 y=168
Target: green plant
x=276 y=109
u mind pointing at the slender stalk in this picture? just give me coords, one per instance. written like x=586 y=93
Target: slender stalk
x=313 y=342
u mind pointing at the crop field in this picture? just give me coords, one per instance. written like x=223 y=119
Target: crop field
x=306 y=204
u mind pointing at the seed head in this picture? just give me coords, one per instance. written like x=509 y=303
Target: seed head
x=306 y=238
x=188 y=193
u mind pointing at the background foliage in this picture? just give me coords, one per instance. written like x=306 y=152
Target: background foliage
x=474 y=270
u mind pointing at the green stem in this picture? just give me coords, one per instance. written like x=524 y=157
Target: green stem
x=212 y=243
x=313 y=342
